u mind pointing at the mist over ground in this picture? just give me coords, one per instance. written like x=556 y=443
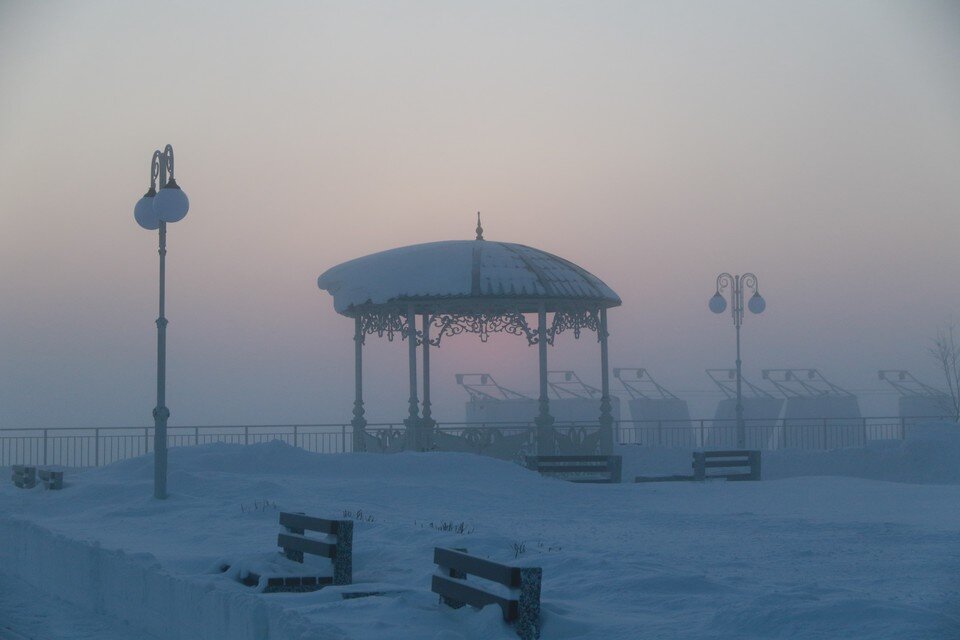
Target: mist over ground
x=655 y=144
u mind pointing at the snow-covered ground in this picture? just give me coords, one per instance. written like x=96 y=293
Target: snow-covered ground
x=794 y=556
x=29 y=613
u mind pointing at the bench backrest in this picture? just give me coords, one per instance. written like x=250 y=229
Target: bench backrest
x=607 y=466
x=703 y=460
x=295 y=543
x=51 y=479
x=24 y=477
x=454 y=590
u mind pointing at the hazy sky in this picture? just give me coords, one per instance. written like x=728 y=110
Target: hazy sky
x=654 y=143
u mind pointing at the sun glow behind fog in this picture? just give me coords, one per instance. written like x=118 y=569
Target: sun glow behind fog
x=655 y=144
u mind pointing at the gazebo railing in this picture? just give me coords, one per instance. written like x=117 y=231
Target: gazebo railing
x=90 y=447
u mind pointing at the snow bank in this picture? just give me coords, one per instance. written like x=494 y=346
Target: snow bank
x=134 y=588
x=797 y=558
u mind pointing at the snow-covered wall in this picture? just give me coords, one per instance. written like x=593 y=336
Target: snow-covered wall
x=135 y=589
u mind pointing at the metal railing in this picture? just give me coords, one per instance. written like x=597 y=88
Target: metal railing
x=769 y=434
x=92 y=447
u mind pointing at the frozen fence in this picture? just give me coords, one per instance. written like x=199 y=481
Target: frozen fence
x=94 y=447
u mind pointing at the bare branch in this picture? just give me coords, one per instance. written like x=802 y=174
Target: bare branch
x=945 y=350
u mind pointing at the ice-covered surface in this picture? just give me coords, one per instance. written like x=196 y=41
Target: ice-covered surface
x=460 y=269
x=789 y=557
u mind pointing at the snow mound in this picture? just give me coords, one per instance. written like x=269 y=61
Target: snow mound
x=280 y=458
x=796 y=558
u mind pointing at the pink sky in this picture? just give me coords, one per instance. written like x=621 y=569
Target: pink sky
x=656 y=144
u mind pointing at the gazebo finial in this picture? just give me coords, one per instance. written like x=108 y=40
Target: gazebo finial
x=479 y=228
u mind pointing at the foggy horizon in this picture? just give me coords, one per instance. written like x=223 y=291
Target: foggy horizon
x=655 y=145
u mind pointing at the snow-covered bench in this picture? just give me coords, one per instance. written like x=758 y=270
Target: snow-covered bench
x=703 y=460
x=601 y=469
x=522 y=606
x=52 y=480
x=337 y=546
x=295 y=543
x=24 y=477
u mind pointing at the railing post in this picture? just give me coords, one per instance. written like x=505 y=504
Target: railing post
x=903 y=429
x=703 y=438
x=824 y=433
x=146 y=439
x=659 y=433
x=246 y=435
x=295 y=440
x=343 y=438
x=44 y=446
x=96 y=447
x=863 y=424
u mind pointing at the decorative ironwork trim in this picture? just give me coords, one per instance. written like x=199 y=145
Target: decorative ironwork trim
x=482 y=324
x=392 y=321
x=575 y=320
x=383 y=323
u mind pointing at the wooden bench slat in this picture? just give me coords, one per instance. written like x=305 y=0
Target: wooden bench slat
x=664 y=478
x=460 y=590
x=563 y=466
x=509 y=576
x=549 y=459
x=739 y=476
x=571 y=469
x=719 y=464
x=299 y=521
x=306 y=545
x=724 y=454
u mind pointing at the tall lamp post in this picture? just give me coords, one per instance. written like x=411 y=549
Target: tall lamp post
x=718 y=304
x=154 y=210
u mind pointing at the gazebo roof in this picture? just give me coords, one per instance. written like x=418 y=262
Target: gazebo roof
x=439 y=276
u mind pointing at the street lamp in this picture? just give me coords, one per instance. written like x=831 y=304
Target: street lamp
x=153 y=211
x=718 y=304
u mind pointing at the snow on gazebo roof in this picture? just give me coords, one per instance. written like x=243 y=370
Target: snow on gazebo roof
x=456 y=272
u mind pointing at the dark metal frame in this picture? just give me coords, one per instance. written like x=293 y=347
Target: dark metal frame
x=481 y=316
x=633 y=386
x=799 y=383
x=717 y=376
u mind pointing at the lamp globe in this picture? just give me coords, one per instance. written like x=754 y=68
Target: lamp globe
x=171 y=204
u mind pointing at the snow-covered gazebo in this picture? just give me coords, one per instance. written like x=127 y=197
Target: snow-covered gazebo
x=471 y=286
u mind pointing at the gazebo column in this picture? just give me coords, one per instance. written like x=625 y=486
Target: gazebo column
x=358 y=422
x=606 y=416
x=413 y=418
x=544 y=421
x=427 y=423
